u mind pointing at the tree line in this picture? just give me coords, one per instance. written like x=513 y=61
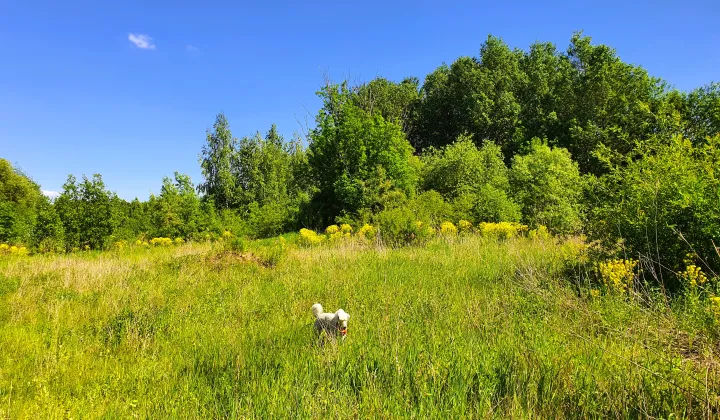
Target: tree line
x=577 y=141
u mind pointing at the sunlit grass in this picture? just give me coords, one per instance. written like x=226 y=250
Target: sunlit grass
x=461 y=327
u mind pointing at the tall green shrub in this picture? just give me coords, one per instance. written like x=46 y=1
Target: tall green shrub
x=350 y=149
x=548 y=185
x=19 y=196
x=474 y=179
x=661 y=203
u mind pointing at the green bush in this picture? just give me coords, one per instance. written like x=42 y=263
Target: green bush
x=430 y=207
x=355 y=157
x=236 y=245
x=397 y=226
x=49 y=232
x=548 y=185
x=662 y=203
x=19 y=196
x=474 y=180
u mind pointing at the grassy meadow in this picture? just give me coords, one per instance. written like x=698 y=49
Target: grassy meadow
x=463 y=327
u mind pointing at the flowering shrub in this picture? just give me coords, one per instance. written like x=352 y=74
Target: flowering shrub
x=574 y=251
x=693 y=275
x=161 y=241
x=502 y=230
x=179 y=241
x=332 y=229
x=448 y=228
x=346 y=228
x=6 y=249
x=541 y=232
x=617 y=274
x=464 y=226
x=309 y=237
x=367 y=232
x=715 y=307
x=119 y=245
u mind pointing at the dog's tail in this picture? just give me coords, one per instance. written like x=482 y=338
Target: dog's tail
x=317 y=310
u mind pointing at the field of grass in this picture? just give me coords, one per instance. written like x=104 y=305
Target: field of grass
x=469 y=327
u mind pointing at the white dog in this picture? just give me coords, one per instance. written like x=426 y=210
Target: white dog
x=332 y=323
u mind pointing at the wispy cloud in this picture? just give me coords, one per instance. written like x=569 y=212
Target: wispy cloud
x=191 y=48
x=51 y=194
x=141 y=41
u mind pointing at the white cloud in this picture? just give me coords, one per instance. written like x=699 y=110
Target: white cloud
x=141 y=41
x=191 y=49
x=51 y=194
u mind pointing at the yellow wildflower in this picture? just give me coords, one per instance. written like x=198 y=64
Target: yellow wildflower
x=502 y=230
x=332 y=229
x=448 y=228
x=366 y=232
x=309 y=237
x=617 y=274
x=161 y=241
x=693 y=275
x=541 y=232
x=346 y=228
x=715 y=306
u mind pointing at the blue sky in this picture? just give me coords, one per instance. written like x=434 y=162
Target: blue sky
x=77 y=95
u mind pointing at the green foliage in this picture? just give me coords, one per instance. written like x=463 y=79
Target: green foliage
x=580 y=99
x=548 y=185
x=352 y=153
x=474 y=180
x=216 y=163
x=49 y=233
x=431 y=208
x=177 y=212
x=474 y=96
x=393 y=101
x=87 y=212
x=702 y=114
x=136 y=219
x=272 y=182
x=662 y=201
x=399 y=226
x=19 y=196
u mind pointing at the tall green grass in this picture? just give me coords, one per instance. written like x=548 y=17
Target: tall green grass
x=457 y=328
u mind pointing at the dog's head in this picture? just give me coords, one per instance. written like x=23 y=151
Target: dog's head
x=341 y=320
